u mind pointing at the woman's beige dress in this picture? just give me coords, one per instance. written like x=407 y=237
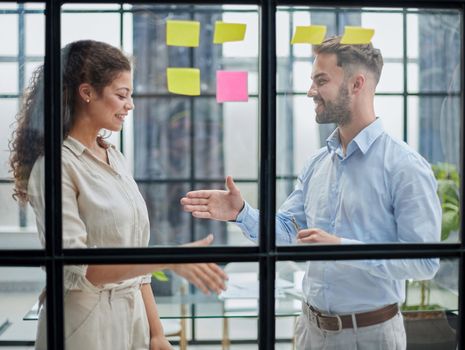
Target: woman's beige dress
x=102 y=207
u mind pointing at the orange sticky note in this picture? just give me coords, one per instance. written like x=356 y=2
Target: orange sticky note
x=182 y=33
x=309 y=35
x=357 y=35
x=183 y=81
x=225 y=32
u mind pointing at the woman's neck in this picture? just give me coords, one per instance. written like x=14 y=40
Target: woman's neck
x=85 y=134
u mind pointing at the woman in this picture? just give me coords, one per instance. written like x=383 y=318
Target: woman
x=106 y=306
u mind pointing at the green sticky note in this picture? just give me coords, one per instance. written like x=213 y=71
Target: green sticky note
x=357 y=35
x=309 y=35
x=183 y=81
x=182 y=33
x=225 y=32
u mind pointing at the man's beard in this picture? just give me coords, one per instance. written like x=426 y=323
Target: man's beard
x=335 y=112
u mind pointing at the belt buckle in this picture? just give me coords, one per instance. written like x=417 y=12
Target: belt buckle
x=337 y=317
x=339 y=323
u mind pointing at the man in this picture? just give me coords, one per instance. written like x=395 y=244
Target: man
x=363 y=187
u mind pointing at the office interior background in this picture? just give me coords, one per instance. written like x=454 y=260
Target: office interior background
x=176 y=143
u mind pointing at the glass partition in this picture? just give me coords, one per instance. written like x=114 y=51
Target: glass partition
x=20 y=288
x=191 y=113
x=409 y=106
x=21 y=137
x=428 y=308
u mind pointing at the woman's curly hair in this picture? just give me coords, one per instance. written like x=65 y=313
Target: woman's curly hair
x=85 y=61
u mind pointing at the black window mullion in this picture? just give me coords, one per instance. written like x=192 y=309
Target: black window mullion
x=52 y=151
x=267 y=195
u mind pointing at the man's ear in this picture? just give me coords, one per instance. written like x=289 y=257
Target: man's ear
x=358 y=83
x=86 y=92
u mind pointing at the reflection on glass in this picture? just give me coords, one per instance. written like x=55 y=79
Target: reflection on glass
x=419 y=310
x=439 y=67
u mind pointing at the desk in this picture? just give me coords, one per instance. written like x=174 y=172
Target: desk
x=211 y=306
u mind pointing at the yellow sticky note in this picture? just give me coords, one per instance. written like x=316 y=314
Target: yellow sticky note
x=309 y=35
x=183 y=81
x=357 y=35
x=228 y=32
x=182 y=33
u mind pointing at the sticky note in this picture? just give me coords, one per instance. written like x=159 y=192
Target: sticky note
x=357 y=35
x=182 y=33
x=231 y=86
x=225 y=32
x=183 y=81
x=309 y=35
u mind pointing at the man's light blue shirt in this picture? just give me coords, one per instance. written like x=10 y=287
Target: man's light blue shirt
x=380 y=191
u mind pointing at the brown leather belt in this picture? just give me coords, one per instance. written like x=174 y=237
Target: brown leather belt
x=340 y=322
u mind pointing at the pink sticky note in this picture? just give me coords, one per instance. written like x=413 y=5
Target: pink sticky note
x=231 y=86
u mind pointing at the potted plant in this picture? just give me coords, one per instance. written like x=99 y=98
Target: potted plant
x=427 y=324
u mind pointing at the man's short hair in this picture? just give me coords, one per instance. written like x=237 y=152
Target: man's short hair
x=350 y=56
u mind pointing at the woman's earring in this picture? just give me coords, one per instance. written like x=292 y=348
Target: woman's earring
x=87 y=100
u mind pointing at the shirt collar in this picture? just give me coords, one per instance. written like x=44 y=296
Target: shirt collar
x=76 y=147
x=363 y=140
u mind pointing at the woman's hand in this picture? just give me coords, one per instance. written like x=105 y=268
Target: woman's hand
x=205 y=276
x=160 y=343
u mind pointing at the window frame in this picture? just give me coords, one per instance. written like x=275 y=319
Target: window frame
x=54 y=257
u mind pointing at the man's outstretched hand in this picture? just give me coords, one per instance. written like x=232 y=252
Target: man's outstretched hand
x=215 y=204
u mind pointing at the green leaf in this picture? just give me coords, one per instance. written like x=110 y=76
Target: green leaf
x=448 y=180
x=450 y=222
x=448 y=191
x=446 y=171
x=160 y=275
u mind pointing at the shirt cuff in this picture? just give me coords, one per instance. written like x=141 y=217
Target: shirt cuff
x=247 y=220
x=242 y=214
